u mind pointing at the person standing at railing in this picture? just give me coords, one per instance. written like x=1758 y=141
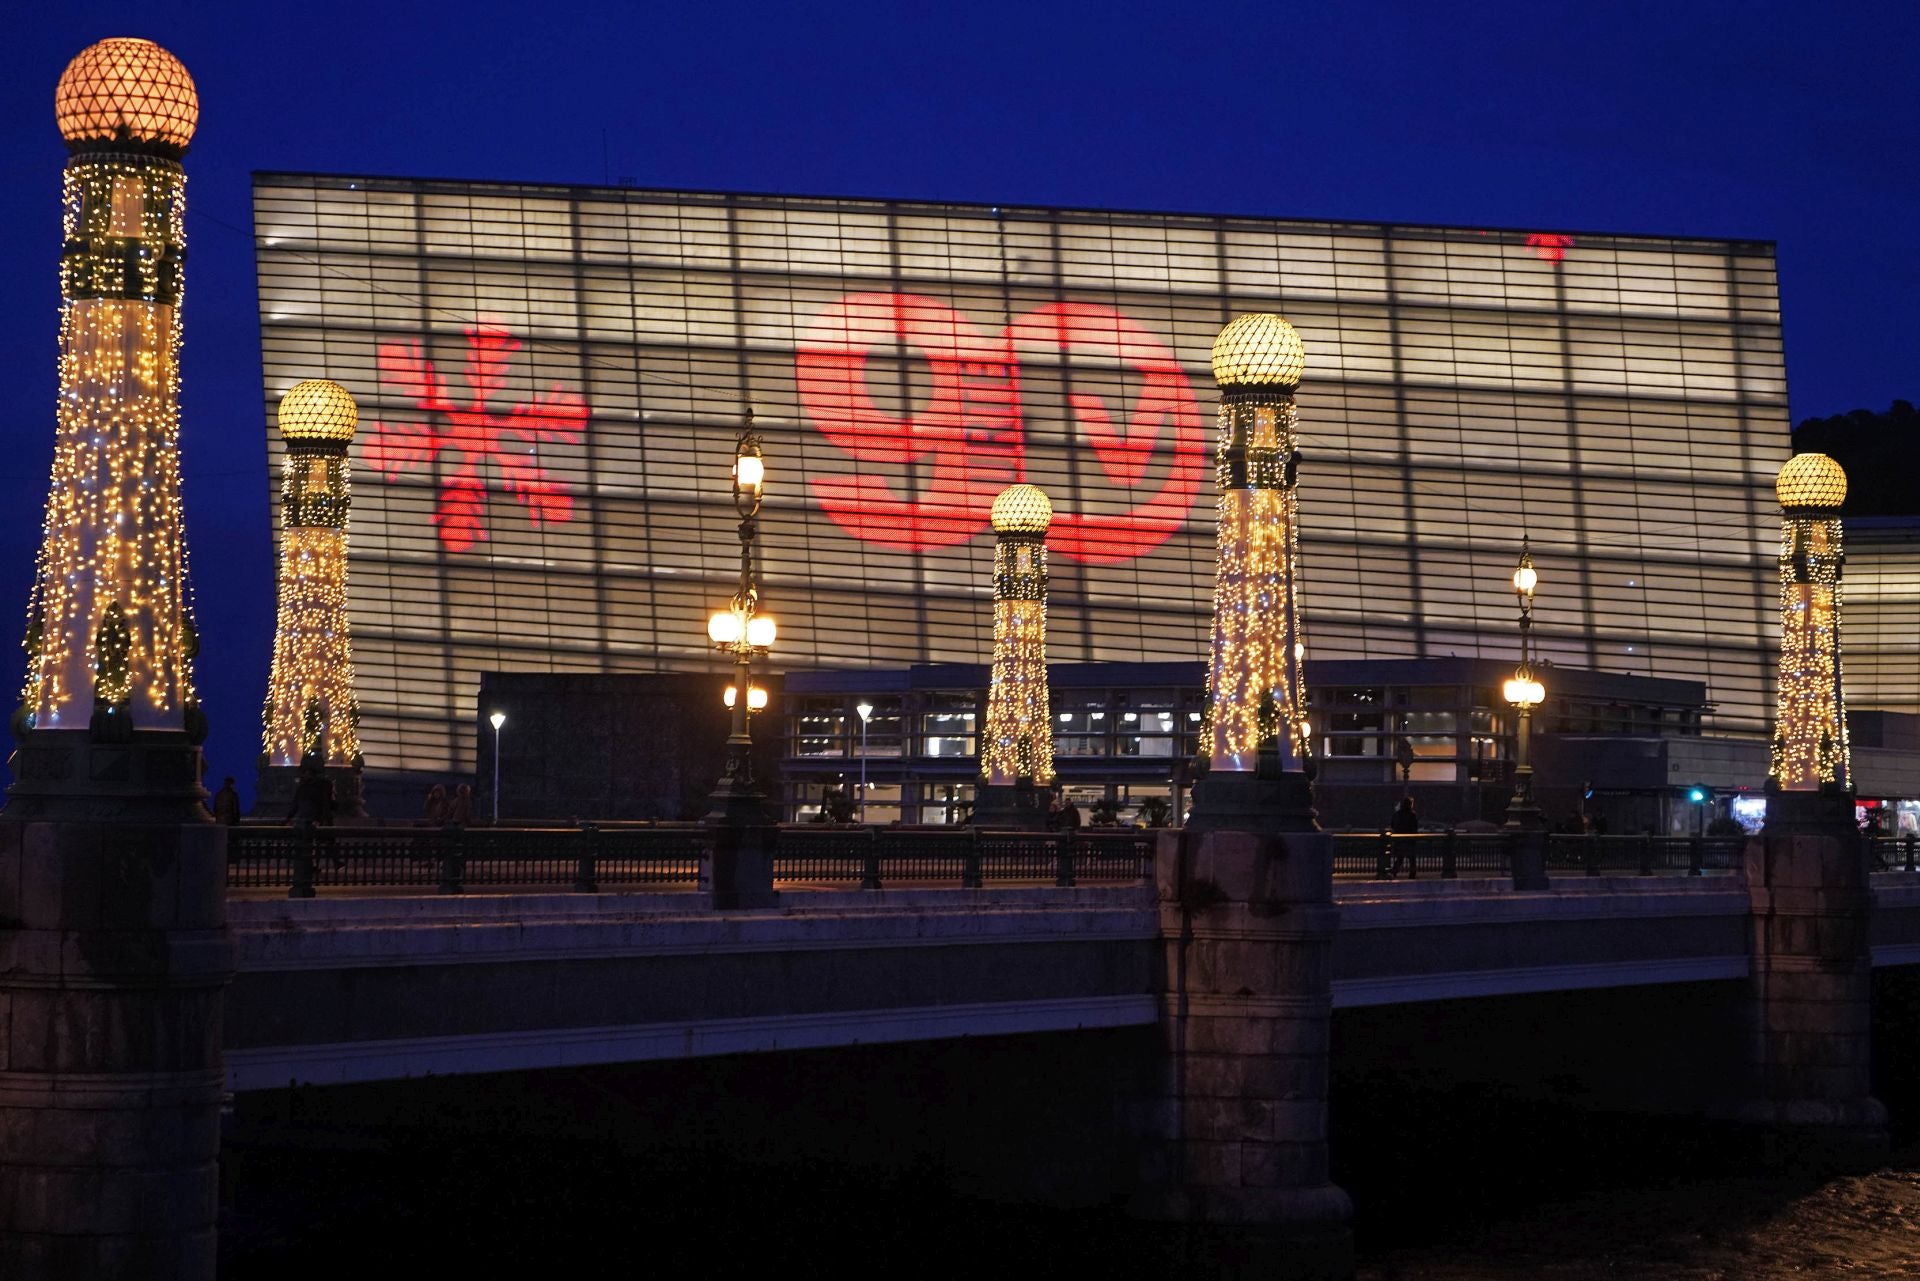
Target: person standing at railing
x=460 y=809
x=312 y=798
x=226 y=805
x=1405 y=822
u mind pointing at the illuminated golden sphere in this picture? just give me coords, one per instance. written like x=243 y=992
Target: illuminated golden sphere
x=126 y=88
x=1022 y=509
x=318 y=410
x=1258 y=350
x=1811 y=480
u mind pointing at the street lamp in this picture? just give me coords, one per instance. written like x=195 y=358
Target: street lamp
x=866 y=714
x=497 y=720
x=743 y=632
x=756 y=698
x=1525 y=693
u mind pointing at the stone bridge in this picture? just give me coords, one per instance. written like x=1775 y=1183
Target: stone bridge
x=335 y=991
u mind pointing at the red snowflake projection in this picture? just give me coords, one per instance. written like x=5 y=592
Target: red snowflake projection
x=474 y=434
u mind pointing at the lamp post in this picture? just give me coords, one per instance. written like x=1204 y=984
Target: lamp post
x=743 y=632
x=1525 y=693
x=866 y=714
x=497 y=720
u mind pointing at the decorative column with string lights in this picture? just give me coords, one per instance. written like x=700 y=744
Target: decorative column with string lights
x=312 y=718
x=1016 y=753
x=1256 y=700
x=1245 y=891
x=1809 y=883
x=1810 y=735
x=110 y=629
x=115 y=898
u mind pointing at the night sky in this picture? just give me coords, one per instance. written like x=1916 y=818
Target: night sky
x=1793 y=123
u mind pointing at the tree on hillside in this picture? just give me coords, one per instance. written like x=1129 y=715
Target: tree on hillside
x=1880 y=451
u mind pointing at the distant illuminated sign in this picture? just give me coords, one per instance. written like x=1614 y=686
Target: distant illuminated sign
x=969 y=439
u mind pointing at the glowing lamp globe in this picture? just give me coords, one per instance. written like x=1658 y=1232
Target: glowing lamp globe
x=1525 y=579
x=1021 y=509
x=126 y=89
x=756 y=697
x=760 y=631
x=1524 y=692
x=318 y=410
x=749 y=472
x=1811 y=480
x=1258 y=350
x=724 y=628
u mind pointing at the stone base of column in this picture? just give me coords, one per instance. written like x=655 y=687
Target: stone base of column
x=1266 y=799
x=1237 y=1136
x=112 y=971
x=1022 y=806
x=1811 y=984
x=1527 y=856
x=143 y=776
x=737 y=804
x=274 y=784
x=737 y=867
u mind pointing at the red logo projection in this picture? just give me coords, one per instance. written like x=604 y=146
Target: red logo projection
x=970 y=437
x=474 y=434
x=1550 y=246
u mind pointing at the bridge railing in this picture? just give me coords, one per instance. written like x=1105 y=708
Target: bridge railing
x=304 y=860
x=1444 y=854
x=1451 y=853
x=1895 y=853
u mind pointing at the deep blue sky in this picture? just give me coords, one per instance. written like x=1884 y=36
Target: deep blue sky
x=1786 y=122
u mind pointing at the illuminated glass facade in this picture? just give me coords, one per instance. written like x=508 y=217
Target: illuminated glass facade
x=1883 y=614
x=551 y=380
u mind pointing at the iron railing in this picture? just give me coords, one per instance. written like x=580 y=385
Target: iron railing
x=304 y=860
x=1446 y=854
x=1895 y=853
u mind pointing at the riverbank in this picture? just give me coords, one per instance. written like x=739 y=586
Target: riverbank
x=1755 y=1228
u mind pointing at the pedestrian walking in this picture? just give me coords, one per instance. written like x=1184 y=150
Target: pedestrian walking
x=1405 y=822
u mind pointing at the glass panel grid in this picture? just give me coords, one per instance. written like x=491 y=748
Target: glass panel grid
x=1622 y=406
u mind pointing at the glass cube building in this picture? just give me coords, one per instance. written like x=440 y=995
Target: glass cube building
x=551 y=380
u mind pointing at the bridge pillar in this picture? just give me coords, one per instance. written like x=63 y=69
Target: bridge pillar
x=1237 y=1136
x=1810 y=1013
x=113 y=963
x=736 y=867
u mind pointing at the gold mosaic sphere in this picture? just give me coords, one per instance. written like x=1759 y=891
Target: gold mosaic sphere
x=1258 y=350
x=126 y=88
x=1811 y=480
x=318 y=409
x=1022 y=509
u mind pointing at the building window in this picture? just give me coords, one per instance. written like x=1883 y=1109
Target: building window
x=945 y=802
x=885 y=730
x=819 y=728
x=947 y=728
x=1081 y=724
